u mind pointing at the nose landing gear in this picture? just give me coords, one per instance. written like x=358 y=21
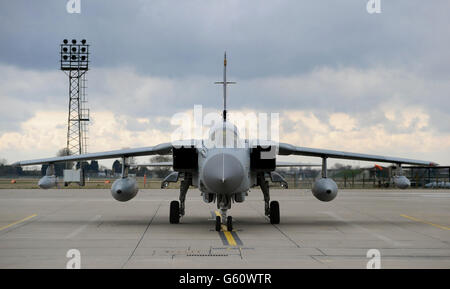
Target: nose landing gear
x=229 y=223
x=224 y=204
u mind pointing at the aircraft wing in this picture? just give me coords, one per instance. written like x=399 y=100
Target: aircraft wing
x=160 y=164
x=287 y=149
x=160 y=149
x=278 y=164
x=291 y=164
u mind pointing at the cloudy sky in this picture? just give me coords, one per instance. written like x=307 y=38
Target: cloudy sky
x=339 y=77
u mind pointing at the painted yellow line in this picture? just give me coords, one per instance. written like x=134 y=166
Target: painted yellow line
x=228 y=235
x=15 y=223
x=425 y=222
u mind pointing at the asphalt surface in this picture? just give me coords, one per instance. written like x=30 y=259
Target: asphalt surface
x=409 y=228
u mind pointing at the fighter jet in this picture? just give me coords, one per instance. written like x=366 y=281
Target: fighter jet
x=223 y=173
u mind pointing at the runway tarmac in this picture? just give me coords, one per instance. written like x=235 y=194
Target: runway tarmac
x=410 y=229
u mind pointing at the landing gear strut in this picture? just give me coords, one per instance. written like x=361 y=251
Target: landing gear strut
x=264 y=185
x=183 y=190
x=271 y=209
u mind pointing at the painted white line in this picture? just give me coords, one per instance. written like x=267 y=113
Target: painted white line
x=376 y=235
x=81 y=228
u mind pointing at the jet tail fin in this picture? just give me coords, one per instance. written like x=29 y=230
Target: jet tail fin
x=225 y=83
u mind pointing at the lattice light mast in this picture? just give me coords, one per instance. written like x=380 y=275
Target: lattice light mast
x=75 y=64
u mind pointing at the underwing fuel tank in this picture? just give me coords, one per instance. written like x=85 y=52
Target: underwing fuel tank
x=325 y=189
x=124 y=189
x=47 y=182
x=402 y=182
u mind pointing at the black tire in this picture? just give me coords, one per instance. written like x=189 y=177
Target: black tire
x=218 y=223
x=229 y=224
x=274 y=212
x=174 y=212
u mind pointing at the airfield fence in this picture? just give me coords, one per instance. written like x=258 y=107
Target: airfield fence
x=155 y=183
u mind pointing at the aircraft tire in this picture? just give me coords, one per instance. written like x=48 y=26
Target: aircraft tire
x=174 y=212
x=218 y=223
x=274 y=212
x=230 y=223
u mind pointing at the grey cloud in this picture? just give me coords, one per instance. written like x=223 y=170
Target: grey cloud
x=155 y=58
x=171 y=38
x=363 y=94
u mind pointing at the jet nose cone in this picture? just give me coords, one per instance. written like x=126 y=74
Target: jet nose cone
x=222 y=173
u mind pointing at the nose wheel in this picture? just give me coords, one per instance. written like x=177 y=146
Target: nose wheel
x=218 y=223
x=229 y=223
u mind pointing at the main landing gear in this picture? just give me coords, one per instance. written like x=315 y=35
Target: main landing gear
x=177 y=209
x=271 y=209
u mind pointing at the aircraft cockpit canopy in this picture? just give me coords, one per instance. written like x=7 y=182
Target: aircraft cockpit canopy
x=225 y=134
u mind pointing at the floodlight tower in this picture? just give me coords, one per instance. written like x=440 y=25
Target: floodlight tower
x=75 y=64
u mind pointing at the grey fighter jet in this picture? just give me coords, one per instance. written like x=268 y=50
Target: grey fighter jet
x=223 y=173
